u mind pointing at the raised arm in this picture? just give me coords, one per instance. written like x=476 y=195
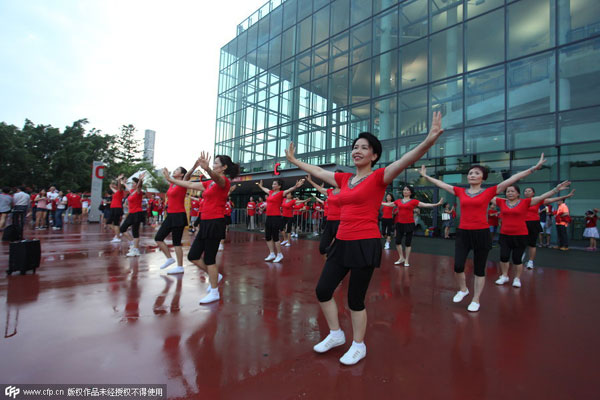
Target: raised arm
x=318 y=199
x=298 y=184
x=558 y=188
x=188 y=175
x=186 y=184
x=140 y=183
x=261 y=187
x=388 y=203
x=204 y=162
x=517 y=177
x=232 y=188
x=431 y=205
x=319 y=188
x=395 y=168
x=555 y=199
x=441 y=184
x=325 y=176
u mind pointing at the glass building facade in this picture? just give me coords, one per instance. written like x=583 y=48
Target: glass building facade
x=512 y=79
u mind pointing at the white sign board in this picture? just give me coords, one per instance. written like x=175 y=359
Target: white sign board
x=96 y=199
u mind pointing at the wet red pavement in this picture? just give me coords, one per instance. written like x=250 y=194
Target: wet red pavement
x=92 y=316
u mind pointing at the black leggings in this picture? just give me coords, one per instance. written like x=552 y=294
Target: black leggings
x=514 y=244
x=208 y=247
x=332 y=275
x=272 y=227
x=478 y=240
x=134 y=220
x=387 y=226
x=404 y=229
x=163 y=232
x=331 y=228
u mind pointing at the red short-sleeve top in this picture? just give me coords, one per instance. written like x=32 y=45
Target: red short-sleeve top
x=513 y=217
x=473 y=208
x=405 y=213
x=215 y=197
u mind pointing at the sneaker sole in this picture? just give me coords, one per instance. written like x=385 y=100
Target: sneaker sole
x=332 y=347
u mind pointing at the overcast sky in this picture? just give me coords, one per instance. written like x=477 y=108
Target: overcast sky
x=153 y=64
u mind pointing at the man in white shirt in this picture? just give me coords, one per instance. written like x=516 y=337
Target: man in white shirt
x=21 y=203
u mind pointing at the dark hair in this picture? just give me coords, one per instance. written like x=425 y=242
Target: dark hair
x=279 y=181
x=517 y=188
x=183 y=170
x=233 y=169
x=483 y=170
x=412 y=190
x=388 y=194
x=22 y=188
x=529 y=187
x=136 y=180
x=374 y=143
x=6 y=189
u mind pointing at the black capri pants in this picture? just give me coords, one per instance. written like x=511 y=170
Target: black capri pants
x=207 y=241
x=272 y=227
x=387 y=226
x=478 y=240
x=134 y=220
x=331 y=228
x=533 y=230
x=174 y=224
x=287 y=224
x=332 y=275
x=514 y=244
x=404 y=229
x=115 y=216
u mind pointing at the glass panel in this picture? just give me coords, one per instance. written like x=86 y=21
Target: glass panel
x=360 y=9
x=288 y=44
x=241 y=49
x=339 y=52
x=485 y=40
x=319 y=3
x=385 y=36
x=303 y=68
x=360 y=43
x=321 y=25
x=304 y=8
x=481 y=139
x=532 y=132
x=446 y=52
x=289 y=13
x=447 y=98
x=276 y=18
x=449 y=144
x=263 y=29
x=413 y=59
x=320 y=60
x=531 y=86
x=412 y=118
x=445 y=13
x=580 y=161
x=579 y=83
x=360 y=120
x=384 y=118
x=360 y=80
x=523 y=159
x=275 y=51
x=474 y=8
x=288 y=71
x=262 y=56
x=385 y=68
x=339 y=88
x=304 y=34
x=388 y=153
x=485 y=96
x=578 y=19
x=340 y=15
x=413 y=20
x=379 y=5
x=529 y=27
x=580 y=125
x=252 y=34
x=319 y=95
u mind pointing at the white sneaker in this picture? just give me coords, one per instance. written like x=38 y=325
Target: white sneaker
x=270 y=257
x=329 y=343
x=218 y=281
x=387 y=246
x=354 y=355
x=133 y=252
x=502 y=280
x=399 y=262
x=175 y=270
x=167 y=263
x=530 y=264
x=221 y=247
x=516 y=282
x=116 y=240
x=473 y=307
x=406 y=264
x=459 y=296
x=284 y=242
x=213 y=295
x=278 y=258
x=288 y=244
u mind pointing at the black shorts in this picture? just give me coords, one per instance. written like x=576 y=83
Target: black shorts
x=174 y=224
x=387 y=226
x=329 y=233
x=114 y=217
x=206 y=244
x=515 y=244
x=228 y=220
x=404 y=229
x=286 y=224
x=76 y=211
x=533 y=230
x=362 y=253
x=272 y=227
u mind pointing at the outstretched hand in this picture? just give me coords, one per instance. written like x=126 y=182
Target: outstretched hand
x=166 y=173
x=563 y=185
x=289 y=152
x=541 y=161
x=436 y=126
x=204 y=161
x=300 y=182
x=423 y=171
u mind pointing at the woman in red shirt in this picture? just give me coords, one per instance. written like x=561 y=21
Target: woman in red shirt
x=357 y=247
x=591 y=231
x=116 y=206
x=176 y=220
x=251 y=212
x=297 y=218
x=514 y=232
x=473 y=232
x=287 y=215
x=333 y=214
x=135 y=217
x=203 y=252
x=532 y=220
x=261 y=206
x=274 y=223
x=405 y=221
x=387 y=219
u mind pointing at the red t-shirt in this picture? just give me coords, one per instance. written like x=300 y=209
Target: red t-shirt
x=360 y=205
x=297 y=208
x=333 y=202
x=590 y=222
x=228 y=208
x=135 y=202
x=201 y=206
x=251 y=207
x=493 y=217
x=473 y=209
x=176 y=199
x=261 y=207
x=533 y=213
x=274 y=201
x=286 y=208
x=34 y=195
x=388 y=212
x=195 y=208
x=214 y=198
x=513 y=218
x=405 y=213
x=317 y=207
x=76 y=201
